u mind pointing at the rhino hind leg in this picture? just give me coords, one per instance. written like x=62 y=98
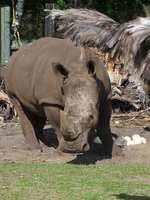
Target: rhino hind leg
x=104 y=131
x=107 y=141
x=27 y=125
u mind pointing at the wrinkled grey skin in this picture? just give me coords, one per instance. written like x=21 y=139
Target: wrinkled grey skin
x=55 y=80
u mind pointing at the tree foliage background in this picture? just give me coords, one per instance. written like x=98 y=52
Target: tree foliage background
x=120 y=11
x=32 y=22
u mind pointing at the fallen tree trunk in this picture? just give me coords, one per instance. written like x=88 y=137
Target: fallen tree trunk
x=4 y=97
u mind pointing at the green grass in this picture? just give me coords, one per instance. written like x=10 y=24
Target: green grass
x=45 y=181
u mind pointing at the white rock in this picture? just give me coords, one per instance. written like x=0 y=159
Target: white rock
x=124 y=140
x=130 y=143
x=128 y=140
x=143 y=140
x=120 y=141
x=97 y=140
x=136 y=139
x=137 y=142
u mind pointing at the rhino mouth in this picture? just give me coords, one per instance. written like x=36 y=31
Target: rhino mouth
x=71 y=139
x=69 y=149
x=77 y=145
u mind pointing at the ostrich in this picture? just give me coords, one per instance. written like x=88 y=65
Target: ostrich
x=127 y=43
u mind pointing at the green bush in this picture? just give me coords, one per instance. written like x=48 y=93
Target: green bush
x=60 y=4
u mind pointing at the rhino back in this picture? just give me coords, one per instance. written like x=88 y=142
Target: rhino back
x=29 y=74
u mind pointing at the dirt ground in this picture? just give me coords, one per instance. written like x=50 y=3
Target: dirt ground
x=13 y=149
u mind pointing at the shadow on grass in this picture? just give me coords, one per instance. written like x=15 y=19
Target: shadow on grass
x=96 y=153
x=87 y=159
x=124 y=196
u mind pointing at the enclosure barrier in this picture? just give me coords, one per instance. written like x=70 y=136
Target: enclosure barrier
x=5 y=34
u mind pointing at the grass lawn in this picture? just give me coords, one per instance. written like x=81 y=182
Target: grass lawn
x=22 y=181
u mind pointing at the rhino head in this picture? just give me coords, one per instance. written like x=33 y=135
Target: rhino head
x=81 y=99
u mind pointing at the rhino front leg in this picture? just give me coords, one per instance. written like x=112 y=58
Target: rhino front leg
x=38 y=124
x=104 y=131
x=27 y=125
x=53 y=116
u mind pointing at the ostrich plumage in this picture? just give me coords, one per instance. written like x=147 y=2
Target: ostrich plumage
x=127 y=43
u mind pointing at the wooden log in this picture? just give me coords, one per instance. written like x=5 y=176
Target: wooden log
x=4 y=97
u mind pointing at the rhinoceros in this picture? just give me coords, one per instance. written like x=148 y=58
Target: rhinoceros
x=52 y=79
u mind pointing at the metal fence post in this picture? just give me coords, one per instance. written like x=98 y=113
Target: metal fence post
x=5 y=34
x=49 y=23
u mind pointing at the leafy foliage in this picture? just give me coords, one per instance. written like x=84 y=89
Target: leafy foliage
x=60 y=4
x=119 y=10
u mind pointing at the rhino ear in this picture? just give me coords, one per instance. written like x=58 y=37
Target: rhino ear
x=59 y=70
x=91 y=67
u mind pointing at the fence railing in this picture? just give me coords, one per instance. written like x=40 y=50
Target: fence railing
x=4 y=34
